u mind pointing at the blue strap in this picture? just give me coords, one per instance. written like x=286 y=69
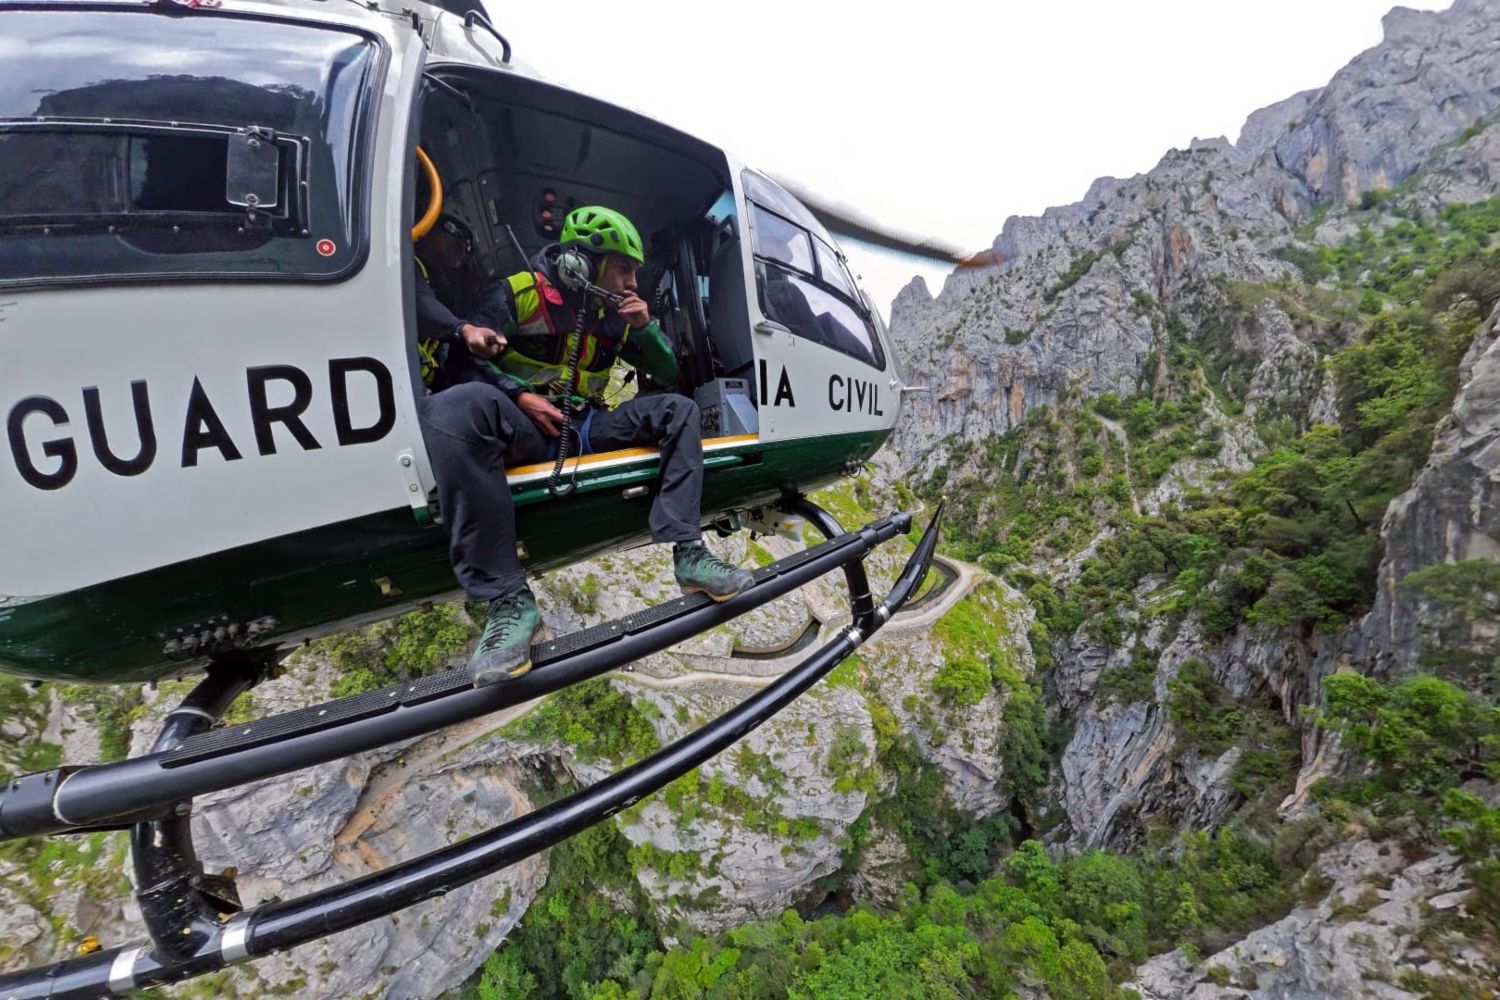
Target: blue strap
x=583 y=433
x=583 y=438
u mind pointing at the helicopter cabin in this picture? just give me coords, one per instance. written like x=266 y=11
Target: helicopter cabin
x=208 y=357
x=731 y=255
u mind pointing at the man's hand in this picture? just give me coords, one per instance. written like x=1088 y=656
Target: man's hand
x=548 y=418
x=634 y=310
x=483 y=342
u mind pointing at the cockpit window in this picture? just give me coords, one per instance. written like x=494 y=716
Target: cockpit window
x=831 y=269
x=207 y=146
x=781 y=241
x=766 y=192
x=802 y=281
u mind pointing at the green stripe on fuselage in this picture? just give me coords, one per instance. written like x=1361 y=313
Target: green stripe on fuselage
x=115 y=632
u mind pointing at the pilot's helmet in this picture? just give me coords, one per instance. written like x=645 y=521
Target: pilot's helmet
x=455 y=227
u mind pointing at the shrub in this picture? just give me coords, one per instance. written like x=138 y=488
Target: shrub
x=962 y=681
x=1207 y=719
x=1425 y=735
x=594 y=718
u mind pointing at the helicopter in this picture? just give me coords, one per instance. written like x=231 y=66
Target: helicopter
x=209 y=376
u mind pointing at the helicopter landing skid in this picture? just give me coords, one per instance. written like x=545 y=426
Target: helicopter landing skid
x=194 y=921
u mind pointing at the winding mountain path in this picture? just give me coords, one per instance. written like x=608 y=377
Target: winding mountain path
x=388 y=778
x=903 y=624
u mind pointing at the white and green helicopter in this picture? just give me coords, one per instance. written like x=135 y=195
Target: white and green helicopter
x=209 y=375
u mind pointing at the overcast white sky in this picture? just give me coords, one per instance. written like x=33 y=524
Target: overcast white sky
x=943 y=117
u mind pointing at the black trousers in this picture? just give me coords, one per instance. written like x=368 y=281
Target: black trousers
x=473 y=431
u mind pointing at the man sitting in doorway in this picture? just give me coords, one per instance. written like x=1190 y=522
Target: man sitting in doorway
x=504 y=413
x=449 y=286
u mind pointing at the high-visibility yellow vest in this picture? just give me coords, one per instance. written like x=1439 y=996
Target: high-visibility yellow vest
x=429 y=351
x=535 y=326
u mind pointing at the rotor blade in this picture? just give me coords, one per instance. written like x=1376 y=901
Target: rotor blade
x=847 y=222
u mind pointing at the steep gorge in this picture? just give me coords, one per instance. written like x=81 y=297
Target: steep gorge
x=1216 y=433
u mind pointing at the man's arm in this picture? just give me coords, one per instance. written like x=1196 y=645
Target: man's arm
x=648 y=349
x=497 y=312
x=434 y=320
x=642 y=343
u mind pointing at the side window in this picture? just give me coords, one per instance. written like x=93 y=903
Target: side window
x=782 y=241
x=811 y=311
x=226 y=147
x=831 y=269
x=801 y=279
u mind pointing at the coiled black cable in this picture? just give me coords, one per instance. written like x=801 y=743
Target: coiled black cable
x=556 y=488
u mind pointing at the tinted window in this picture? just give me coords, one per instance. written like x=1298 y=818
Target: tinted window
x=809 y=310
x=764 y=191
x=803 y=283
x=778 y=239
x=831 y=269
x=124 y=138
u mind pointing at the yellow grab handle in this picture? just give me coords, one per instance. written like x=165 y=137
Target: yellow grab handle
x=434 y=202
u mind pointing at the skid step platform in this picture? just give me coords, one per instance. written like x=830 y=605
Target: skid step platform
x=192 y=935
x=109 y=795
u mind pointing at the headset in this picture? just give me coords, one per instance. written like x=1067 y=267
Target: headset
x=573 y=270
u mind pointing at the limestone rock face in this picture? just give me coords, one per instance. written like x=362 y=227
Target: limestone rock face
x=1356 y=942
x=1088 y=291
x=756 y=828
x=1069 y=306
x=1380 y=116
x=24 y=930
x=757 y=852
x=325 y=825
x=1289 y=380
x=1121 y=764
x=421 y=951
x=436 y=945
x=1450 y=514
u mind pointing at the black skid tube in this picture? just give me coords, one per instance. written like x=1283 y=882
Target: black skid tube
x=278 y=926
x=148 y=787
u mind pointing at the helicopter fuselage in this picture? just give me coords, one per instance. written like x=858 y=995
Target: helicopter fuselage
x=209 y=387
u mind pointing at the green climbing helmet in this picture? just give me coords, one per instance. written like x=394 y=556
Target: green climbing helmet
x=602 y=230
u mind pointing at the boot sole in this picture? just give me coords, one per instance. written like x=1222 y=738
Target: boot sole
x=542 y=634
x=716 y=598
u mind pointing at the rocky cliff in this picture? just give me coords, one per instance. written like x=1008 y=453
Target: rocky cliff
x=1165 y=432
x=1127 y=381
x=1058 y=313
x=1365 y=938
x=1189 y=273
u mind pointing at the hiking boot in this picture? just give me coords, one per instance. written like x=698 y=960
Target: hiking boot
x=699 y=569
x=504 y=650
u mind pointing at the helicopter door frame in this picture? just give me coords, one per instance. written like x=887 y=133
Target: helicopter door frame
x=413 y=463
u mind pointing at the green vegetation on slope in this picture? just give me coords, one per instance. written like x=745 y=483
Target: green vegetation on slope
x=1293 y=541
x=1423 y=739
x=1075 y=926
x=584 y=927
x=595 y=719
x=414 y=645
